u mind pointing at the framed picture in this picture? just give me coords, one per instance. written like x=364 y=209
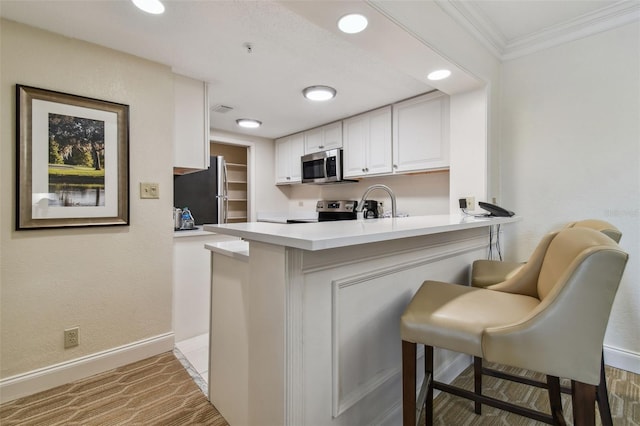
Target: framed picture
x=72 y=160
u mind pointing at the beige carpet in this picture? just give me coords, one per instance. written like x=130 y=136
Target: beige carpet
x=154 y=391
x=159 y=391
x=624 y=398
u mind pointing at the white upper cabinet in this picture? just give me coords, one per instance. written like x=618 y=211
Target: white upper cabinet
x=323 y=138
x=421 y=133
x=288 y=152
x=367 y=144
x=191 y=124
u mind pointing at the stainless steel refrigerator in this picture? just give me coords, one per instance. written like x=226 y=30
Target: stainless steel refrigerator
x=205 y=193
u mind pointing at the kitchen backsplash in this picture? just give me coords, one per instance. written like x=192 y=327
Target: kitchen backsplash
x=419 y=194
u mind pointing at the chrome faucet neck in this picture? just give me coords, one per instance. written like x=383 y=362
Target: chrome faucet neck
x=384 y=188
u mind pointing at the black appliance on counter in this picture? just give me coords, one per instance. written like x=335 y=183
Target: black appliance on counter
x=370 y=209
x=205 y=193
x=336 y=210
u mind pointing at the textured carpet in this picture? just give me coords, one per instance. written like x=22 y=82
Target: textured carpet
x=624 y=398
x=154 y=391
x=159 y=391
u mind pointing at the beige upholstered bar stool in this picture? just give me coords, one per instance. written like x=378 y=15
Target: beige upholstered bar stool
x=571 y=279
x=487 y=273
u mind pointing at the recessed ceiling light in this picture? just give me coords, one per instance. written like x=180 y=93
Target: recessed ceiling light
x=439 y=75
x=150 y=6
x=352 y=23
x=248 y=123
x=319 y=93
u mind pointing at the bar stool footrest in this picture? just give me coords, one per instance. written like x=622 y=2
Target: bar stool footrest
x=496 y=403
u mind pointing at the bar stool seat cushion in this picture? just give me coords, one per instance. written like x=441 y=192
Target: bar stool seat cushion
x=455 y=316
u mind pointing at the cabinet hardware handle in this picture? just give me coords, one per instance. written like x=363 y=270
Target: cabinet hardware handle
x=321 y=146
x=395 y=166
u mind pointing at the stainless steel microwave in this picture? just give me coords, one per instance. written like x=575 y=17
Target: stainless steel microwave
x=322 y=167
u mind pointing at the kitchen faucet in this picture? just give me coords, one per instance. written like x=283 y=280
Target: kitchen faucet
x=378 y=186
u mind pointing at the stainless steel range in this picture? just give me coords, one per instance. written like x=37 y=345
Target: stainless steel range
x=331 y=210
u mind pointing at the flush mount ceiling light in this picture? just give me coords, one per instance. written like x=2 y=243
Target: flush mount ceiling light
x=150 y=6
x=352 y=23
x=439 y=75
x=248 y=123
x=319 y=93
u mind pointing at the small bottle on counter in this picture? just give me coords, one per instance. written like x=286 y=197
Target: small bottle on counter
x=177 y=219
x=380 y=209
x=187 y=219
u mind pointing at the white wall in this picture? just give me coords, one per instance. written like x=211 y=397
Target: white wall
x=571 y=150
x=468 y=154
x=112 y=282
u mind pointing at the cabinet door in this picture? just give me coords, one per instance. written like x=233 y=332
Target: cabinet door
x=421 y=133
x=288 y=153
x=296 y=150
x=282 y=161
x=332 y=135
x=191 y=124
x=323 y=138
x=356 y=136
x=314 y=140
x=379 y=148
x=367 y=144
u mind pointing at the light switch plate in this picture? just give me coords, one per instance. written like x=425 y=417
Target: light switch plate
x=149 y=190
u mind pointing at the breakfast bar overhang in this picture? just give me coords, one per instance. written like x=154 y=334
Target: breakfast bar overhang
x=305 y=323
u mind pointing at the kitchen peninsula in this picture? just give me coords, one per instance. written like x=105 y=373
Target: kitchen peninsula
x=307 y=330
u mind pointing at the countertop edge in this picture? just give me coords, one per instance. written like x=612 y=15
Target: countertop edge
x=235 y=249
x=271 y=236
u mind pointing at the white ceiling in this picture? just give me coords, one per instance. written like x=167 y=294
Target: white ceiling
x=295 y=44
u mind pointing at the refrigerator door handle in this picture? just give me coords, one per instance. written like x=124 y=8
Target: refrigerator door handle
x=225 y=194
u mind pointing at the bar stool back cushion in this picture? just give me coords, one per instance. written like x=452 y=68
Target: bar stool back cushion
x=485 y=273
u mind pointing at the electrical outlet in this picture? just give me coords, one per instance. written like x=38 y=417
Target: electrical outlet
x=71 y=337
x=149 y=190
x=471 y=203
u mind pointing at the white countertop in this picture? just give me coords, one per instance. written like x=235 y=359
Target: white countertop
x=237 y=249
x=192 y=232
x=327 y=235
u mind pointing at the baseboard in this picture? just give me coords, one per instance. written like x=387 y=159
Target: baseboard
x=622 y=359
x=59 y=374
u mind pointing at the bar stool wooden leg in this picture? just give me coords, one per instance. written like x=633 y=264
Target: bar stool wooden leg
x=602 y=396
x=555 y=400
x=428 y=374
x=408 y=383
x=477 y=382
x=583 y=397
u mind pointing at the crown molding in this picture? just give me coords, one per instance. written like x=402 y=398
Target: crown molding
x=472 y=19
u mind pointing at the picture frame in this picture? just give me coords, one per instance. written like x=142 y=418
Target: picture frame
x=72 y=160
